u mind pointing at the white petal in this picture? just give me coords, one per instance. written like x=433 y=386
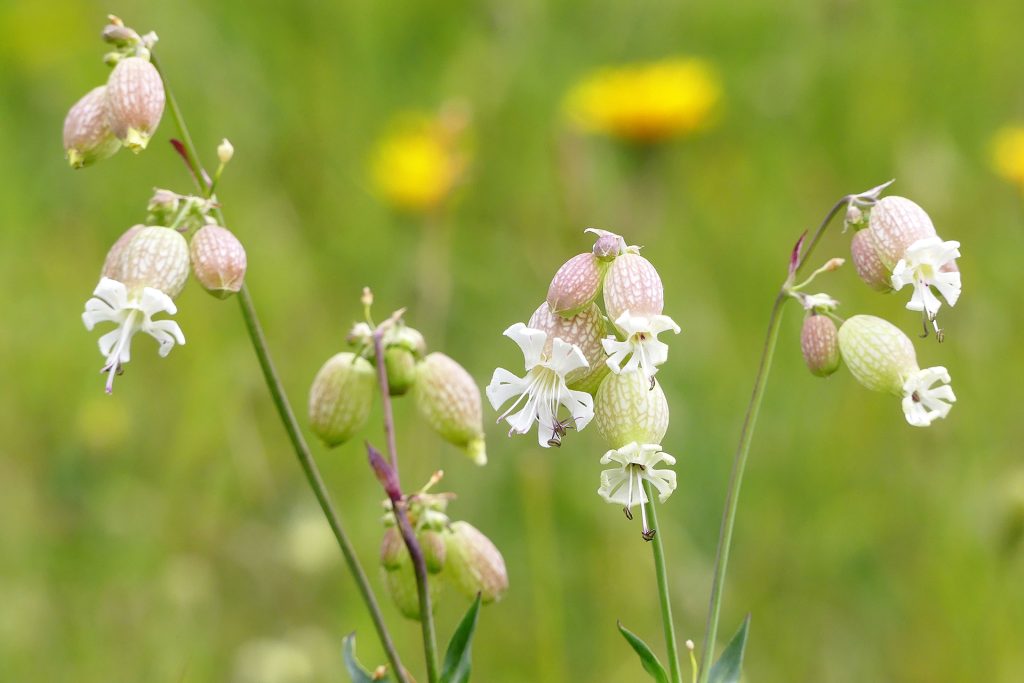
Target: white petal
x=566 y=357
x=580 y=405
x=154 y=301
x=631 y=324
x=948 y=285
x=661 y=323
x=504 y=385
x=531 y=342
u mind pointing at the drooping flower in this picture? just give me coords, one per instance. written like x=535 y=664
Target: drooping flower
x=642 y=347
x=927 y=263
x=540 y=395
x=131 y=313
x=635 y=464
x=882 y=358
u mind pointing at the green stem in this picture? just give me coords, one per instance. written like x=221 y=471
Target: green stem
x=743 y=449
x=285 y=412
x=662 y=575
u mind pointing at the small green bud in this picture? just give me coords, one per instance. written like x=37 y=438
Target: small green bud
x=401 y=586
x=449 y=400
x=435 y=550
x=156 y=257
x=225 y=151
x=394 y=554
x=632 y=284
x=135 y=95
x=120 y=35
x=218 y=260
x=88 y=137
x=877 y=353
x=340 y=398
x=585 y=330
x=475 y=565
x=575 y=285
x=819 y=343
x=628 y=407
x=400 y=364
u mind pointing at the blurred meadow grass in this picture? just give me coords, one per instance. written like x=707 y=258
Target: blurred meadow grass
x=166 y=533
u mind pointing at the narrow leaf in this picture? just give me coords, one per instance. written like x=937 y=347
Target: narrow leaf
x=457 y=658
x=728 y=667
x=355 y=670
x=647 y=658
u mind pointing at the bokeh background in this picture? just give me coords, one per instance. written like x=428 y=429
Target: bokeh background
x=166 y=534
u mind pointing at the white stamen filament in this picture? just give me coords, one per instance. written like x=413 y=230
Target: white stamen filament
x=113 y=365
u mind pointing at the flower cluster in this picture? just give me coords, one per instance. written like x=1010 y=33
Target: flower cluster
x=455 y=553
x=646 y=103
x=146 y=269
x=444 y=392
x=894 y=245
x=123 y=112
x=586 y=364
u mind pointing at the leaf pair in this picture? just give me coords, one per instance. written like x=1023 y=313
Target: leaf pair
x=456 y=659
x=726 y=670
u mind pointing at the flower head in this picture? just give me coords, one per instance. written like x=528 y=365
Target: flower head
x=635 y=464
x=922 y=401
x=543 y=391
x=646 y=103
x=641 y=347
x=928 y=263
x=131 y=313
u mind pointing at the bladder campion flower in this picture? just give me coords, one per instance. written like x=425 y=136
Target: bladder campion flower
x=543 y=388
x=922 y=266
x=634 y=464
x=642 y=346
x=646 y=102
x=1008 y=154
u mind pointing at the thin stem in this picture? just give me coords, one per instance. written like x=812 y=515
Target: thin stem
x=662 y=575
x=743 y=449
x=285 y=412
x=419 y=564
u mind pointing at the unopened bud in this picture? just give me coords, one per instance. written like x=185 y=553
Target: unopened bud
x=819 y=342
x=629 y=408
x=632 y=284
x=393 y=553
x=449 y=400
x=607 y=247
x=340 y=398
x=401 y=370
x=585 y=330
x=155 y=257
x=88 y=137
x=135 y=93
x=865 y=259
x=474 y=564
x=112 y=264
x=576 y=284
x=434 y=548
x=120 y=35
x=400 y=577
x=218 y=260
x=164 y=204
x=896 y=223
x=832 y=264
x=225 y=150
x=877 y=353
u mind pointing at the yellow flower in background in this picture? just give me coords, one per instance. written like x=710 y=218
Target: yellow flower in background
x=421 y=159
x=646 y=102
x=1008 y=154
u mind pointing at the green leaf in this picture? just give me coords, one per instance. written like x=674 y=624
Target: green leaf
x=352 y=665
x=728 y=667
x=456 y=659
x=647 y=658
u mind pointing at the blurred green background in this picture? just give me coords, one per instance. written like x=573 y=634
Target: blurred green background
x=166 y=533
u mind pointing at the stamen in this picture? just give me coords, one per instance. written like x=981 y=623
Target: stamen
x=628 y=513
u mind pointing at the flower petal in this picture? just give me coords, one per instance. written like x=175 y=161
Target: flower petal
x=531 y=342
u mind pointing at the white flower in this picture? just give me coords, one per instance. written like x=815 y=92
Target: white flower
x=131 y=314
x=923 y=403
x=641 y=346
x=624 y=485
x=820 y=302
x=922 y=266
x=543 y=387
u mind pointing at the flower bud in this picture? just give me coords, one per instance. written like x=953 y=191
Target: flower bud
x=877 y=353
x=434 y=548
x=474 y=564
x=820 y=345
x=112 y=263
x=896 y=223
x=340 y=398
x=576 y=284
x=393 y=552
x=135 y=93
x=400 y=577
x=449 y=399
x=88 y=137
x=120 y=35
x=585 y=330
x=632 y=284
x=153 y=256
x=401 y=370
x=865 y=259
x=628 y=407
x=607 y=247
x=218 y=260
x=225 y=150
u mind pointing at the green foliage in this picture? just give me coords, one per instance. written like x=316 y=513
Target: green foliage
x=730 y=665
x=647 y=658
x=355 y=670
x=457 y=658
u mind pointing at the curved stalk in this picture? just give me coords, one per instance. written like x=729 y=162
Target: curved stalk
x=284 y=409
x=743 y=449
x=666 y=602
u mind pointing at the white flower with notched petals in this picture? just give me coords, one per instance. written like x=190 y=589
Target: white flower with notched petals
x=922 y=401
x=111 y=302
x=624 y=484
x=641 y=347
x=928 y=263
x=543 y=391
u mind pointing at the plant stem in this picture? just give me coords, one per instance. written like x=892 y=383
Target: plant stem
x=743 y=449
x=666 y=602
x=419 y=564
x=285 y=412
